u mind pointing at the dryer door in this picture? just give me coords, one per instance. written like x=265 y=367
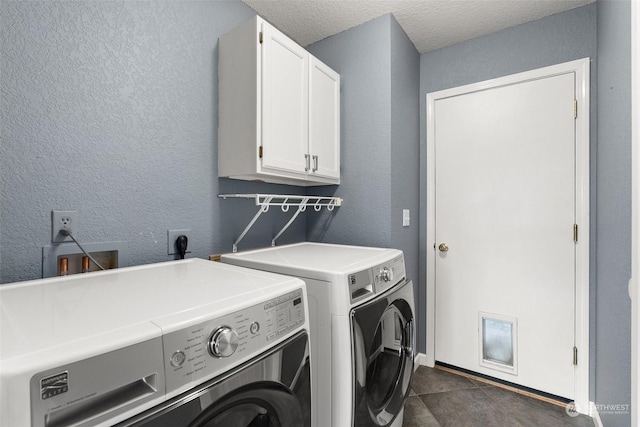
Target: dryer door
x=383 y=348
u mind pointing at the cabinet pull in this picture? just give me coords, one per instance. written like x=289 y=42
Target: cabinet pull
x=315 y=164
x=307 y=163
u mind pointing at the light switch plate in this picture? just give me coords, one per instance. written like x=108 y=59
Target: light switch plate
x=406 y=219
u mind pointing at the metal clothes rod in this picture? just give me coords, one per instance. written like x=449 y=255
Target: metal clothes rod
x=264 y=201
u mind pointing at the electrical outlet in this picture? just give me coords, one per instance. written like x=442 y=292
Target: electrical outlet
x=61 y=220
x=172 y=235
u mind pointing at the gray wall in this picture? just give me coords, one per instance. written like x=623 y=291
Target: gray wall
x=405 y=161
x=613 y=238
x=361 y=56
x=110 y=108
x=379 y=69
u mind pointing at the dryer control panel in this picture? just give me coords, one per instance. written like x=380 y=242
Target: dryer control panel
x=210 y=348
x=388 y=274
x=366 y=283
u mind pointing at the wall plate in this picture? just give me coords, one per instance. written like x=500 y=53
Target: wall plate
x=61 y=219
x=52 y=253
x=172 y=235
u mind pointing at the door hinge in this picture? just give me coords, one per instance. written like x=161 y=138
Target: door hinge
x=575 y=232
x=260 y=151
x=575 y=108
x=260 y=37
x=575 y=356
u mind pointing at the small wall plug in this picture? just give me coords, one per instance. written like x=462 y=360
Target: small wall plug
x=172 y=241
x=181 y=244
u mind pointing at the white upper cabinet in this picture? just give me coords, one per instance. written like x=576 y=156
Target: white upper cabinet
x=279 y=110
x=285 y=102
x=324 y=120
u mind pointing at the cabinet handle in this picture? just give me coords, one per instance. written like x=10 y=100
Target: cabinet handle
x=315 y=164
x=307 y=163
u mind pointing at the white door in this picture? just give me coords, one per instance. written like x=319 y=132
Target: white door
x=324 y=120
x=285 y=92
x=504 y=209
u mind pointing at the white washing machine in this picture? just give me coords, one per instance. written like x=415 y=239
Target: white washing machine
x=361 y=309
x=184 y=343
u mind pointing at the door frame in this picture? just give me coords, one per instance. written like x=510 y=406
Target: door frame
x=581 y=69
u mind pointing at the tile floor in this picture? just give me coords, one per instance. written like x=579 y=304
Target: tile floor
x=443 y=399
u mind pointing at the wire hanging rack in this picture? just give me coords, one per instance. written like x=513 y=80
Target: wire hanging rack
x=265 y=201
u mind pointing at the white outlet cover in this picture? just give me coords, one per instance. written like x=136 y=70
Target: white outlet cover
x=56 y=225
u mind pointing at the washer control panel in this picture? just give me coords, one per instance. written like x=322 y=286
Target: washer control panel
x=212 y=347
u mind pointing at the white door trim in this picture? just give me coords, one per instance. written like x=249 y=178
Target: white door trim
x=581 y=69
x=634 y=283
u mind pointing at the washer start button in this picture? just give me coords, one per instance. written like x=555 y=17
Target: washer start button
x=177 y=359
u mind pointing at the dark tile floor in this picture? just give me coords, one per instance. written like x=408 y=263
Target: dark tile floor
x=443 y=399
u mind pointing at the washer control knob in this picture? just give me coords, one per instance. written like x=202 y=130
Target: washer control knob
x=223 y=342
x=386 y=275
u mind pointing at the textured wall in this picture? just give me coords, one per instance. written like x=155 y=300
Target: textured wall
x=110 y=108
x=559 y=38
x=405 y=159
x=613 y=238
x=361 y=57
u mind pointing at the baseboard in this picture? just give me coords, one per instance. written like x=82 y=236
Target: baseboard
x=593 y=413
x=420 y=359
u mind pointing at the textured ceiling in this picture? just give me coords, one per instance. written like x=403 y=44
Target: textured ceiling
x=430 y=24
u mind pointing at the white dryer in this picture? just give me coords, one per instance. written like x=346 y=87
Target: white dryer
x=183 y=343
x=361 y=314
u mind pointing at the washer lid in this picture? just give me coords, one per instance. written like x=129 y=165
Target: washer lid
x=313 y=260
x=78 y=316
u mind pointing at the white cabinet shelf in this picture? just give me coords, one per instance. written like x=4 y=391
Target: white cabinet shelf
x=279 y=110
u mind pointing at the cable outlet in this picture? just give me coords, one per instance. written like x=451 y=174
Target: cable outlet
x=172 y=235
x=63 y=220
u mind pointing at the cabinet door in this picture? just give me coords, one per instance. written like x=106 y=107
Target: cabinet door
x=324 y=120
x=285 y=68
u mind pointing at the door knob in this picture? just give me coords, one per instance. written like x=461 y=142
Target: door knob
x=443 y=247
